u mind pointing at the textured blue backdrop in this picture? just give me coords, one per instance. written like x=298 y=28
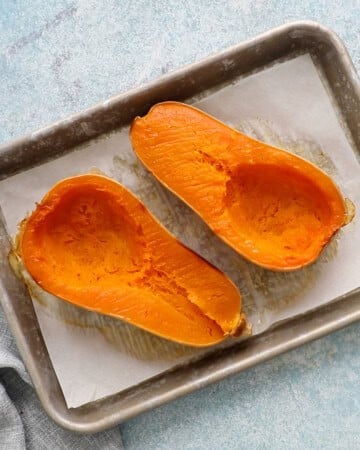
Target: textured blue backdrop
x=57 y=57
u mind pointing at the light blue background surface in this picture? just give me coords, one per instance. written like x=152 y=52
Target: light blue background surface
x=59 y=57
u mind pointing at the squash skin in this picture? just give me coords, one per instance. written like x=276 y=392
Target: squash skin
x=92 y=243
x=274 y=208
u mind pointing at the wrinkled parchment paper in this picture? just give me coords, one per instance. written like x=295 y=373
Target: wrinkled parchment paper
x=286 y=105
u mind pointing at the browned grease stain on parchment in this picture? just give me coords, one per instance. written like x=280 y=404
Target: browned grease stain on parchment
x=282 y=289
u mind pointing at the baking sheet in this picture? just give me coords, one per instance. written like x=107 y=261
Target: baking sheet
x=286 y=105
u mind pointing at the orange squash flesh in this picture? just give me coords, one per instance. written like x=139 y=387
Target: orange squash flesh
x=274 y=208
x=94 y=244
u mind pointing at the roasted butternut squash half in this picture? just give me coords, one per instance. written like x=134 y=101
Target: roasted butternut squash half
x=95 y=245
x=274 y=208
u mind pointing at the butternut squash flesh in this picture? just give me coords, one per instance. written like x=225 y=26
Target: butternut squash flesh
x=274 y=208
x=94 y=244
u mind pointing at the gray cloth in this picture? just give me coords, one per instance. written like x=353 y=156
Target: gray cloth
x=23 y=422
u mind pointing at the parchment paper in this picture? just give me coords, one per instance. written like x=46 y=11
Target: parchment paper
x=286 y=105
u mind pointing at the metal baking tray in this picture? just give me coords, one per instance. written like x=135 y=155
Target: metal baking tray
x=55 y=140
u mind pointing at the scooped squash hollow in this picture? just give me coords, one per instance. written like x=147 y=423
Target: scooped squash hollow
x=273 y=207
x=94 y=244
